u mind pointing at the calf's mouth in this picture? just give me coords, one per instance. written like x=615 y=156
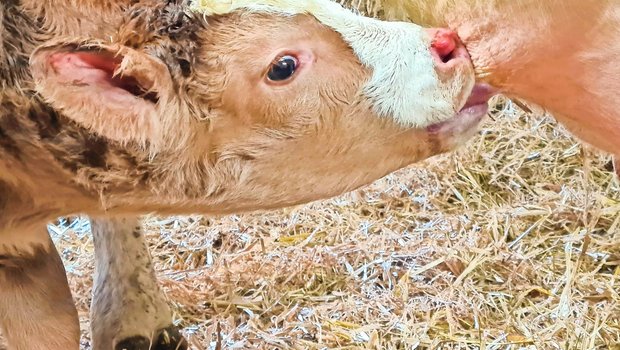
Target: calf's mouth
x=471 y=114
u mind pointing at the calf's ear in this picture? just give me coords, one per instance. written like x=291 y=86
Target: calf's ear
x=112 y=90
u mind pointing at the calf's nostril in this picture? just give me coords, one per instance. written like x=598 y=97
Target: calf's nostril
x=444 y=42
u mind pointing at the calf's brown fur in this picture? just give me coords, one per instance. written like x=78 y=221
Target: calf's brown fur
x=36 y=308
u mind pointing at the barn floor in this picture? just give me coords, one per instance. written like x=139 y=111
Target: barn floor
x=513 y=242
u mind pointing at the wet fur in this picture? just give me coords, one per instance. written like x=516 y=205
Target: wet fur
x=31 y=132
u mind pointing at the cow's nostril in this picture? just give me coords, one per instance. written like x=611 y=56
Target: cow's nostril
x=444 y=42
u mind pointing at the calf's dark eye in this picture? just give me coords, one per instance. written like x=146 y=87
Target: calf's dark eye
x=282 y=69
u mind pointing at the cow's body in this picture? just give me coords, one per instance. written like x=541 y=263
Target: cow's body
x=557 y=54
x=173 y=133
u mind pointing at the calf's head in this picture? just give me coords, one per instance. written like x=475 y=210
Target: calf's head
x=239 y=105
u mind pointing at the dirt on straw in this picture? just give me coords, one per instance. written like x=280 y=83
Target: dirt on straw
x=512 y=242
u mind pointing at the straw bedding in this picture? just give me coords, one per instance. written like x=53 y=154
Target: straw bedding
x=512 y=242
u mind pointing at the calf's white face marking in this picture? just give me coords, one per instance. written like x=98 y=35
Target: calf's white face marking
x=404 y=84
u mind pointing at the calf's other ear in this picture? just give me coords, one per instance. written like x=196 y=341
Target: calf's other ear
x=112 y=90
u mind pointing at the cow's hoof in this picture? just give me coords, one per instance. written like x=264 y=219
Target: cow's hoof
x=168 y=338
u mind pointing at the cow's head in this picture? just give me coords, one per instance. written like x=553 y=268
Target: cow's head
x=241 y=105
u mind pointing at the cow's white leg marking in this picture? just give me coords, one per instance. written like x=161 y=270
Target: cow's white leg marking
x=37 y=311
x=128 y=309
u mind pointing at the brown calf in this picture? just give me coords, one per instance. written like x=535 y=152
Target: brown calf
x=556 y=54
x=118 y=108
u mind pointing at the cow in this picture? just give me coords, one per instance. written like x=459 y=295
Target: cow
x=556 y=54
x=117 y=108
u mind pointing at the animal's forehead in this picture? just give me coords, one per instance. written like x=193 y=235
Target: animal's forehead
x=318 y=8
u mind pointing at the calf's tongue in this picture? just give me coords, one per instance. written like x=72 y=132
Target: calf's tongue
x=481 y=93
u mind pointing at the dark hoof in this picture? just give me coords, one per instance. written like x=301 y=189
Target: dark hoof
x=168 y=339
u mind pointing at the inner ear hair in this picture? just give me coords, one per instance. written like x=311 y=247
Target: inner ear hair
x=111 y=90
x=168 y=31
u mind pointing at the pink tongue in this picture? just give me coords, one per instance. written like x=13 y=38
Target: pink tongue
x=481 y=93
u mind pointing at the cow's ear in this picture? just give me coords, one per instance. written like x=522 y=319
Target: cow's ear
x=114 y=91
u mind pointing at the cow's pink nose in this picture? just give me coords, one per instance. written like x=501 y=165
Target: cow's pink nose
x=444 y=43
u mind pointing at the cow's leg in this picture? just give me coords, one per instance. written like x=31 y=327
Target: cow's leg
x=616 y=163
x=37 y=311
x=128 y=309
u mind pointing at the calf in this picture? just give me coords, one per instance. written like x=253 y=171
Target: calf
x=558 y=54
x=118 y=108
